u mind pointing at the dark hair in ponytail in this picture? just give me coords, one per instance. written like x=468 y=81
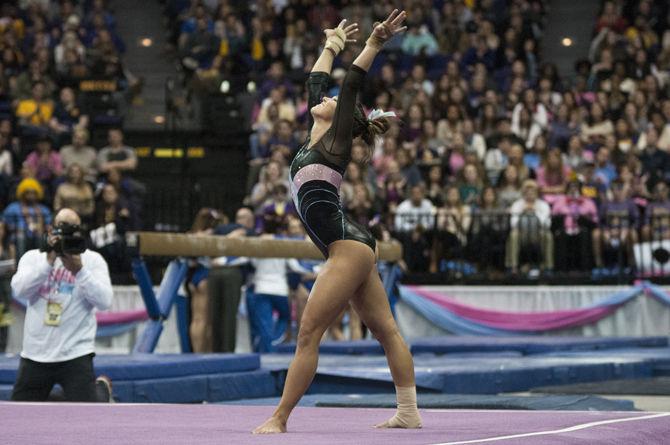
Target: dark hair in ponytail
x=366 y=128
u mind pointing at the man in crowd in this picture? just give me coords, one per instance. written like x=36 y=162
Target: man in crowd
x=80 y=153
x=61 y=289
x=225 y=282
x=116 y=155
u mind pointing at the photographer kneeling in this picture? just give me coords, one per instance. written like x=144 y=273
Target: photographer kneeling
x=62 y=283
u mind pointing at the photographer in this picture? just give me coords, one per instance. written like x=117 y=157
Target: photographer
x=62 y=283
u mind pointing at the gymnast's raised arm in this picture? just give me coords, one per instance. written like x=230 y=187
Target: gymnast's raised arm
x=344 y=113
x=319 y=77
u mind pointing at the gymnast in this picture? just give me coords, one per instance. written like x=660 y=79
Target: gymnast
x=349 y=273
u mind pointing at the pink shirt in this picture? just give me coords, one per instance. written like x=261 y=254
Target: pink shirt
x=45 y=171
x=572 y=208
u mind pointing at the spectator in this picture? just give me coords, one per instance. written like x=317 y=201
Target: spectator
x=270 y=178
x=67 y=116
x=655 y=162
x=270 y=294
x=530 y=229
x=275 y=210
x=617 y=234
x=116 y=155
x=415 y=211
x=196 y=284
x=605 y=172
x=509 y=186
x=578 y=216
x=435 y=186
x=75 y=193
x=43 y=163
x=225 y=281
x=61 y=292
x=471 y=185
x=7 y=267
x=81 y=154
x=408 y=169
x=453 y=224
x=26 y=219
x=419 y=41
x=394 y=187
x=597 y=126
x=488 y=231
x=361 y=208
x=552 y=176
x=657 y=215
x=35 y=113
x=112 y=220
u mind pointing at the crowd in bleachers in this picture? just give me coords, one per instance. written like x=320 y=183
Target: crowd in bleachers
x=61 y=82
x=493 y=150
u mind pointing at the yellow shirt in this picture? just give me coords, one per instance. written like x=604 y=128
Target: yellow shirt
x=37 y=113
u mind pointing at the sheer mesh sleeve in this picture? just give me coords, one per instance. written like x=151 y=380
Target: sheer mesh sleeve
x=337 y=142
x=317 y=85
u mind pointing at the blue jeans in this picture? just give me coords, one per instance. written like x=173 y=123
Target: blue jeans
x=264 y=329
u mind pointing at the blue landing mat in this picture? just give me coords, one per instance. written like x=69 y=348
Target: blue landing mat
x=458 y=375
x=154 y=366
x=197 y=388
x=531 y=345
x=188 y=389
x=358 y=347
x=456 y=401
x=523 y=345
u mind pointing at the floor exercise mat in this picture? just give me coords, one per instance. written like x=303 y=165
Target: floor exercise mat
x=205 y=424
x=153 y=366
x=529 y=345
x=656 y=386
x=457 y=401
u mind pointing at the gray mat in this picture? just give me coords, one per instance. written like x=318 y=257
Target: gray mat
x=457 y=401
x=657 y=386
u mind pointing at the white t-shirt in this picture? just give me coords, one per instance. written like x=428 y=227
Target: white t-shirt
x=407 y=216
x=270 y=275
x=37 y=283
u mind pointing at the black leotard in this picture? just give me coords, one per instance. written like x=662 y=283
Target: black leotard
x=316 y=171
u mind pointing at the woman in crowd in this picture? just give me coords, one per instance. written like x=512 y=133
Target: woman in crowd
x=453 y=224
x=196 y=284
x=76 y=194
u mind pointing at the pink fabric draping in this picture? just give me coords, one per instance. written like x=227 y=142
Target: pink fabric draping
x=518 y=321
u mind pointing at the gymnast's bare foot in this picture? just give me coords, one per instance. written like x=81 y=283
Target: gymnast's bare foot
x=271 y=426
x=404 y=420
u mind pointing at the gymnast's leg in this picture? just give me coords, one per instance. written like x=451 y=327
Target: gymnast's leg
x=348 y=266
x=371 y=304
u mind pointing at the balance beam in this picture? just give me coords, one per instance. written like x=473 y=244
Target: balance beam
x=187 y=245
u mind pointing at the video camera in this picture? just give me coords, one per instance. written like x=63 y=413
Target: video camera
x=71 y=240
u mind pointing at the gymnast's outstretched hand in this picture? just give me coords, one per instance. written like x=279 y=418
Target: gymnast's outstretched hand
x=337 y=38
x=384 y=31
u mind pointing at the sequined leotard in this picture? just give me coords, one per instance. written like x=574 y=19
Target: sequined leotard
x=316 y=171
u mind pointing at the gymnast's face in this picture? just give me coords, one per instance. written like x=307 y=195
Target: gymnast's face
x=326 y=109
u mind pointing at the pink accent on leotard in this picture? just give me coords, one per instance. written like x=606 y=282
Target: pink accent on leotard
x=316 y=172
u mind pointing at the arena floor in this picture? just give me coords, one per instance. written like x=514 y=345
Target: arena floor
x=44 y=423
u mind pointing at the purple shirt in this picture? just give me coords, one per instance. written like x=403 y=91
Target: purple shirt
x=619 y=214
x=660 y=212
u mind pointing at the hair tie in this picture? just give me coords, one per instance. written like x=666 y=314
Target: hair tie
x=378 y=113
